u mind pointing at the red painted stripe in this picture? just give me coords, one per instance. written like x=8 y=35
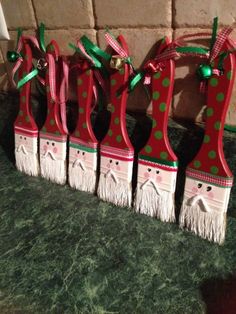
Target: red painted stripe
x=27 y=132
x=127 y=158
x=59 y=138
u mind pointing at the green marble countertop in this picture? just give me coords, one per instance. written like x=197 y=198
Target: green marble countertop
x=64 y=252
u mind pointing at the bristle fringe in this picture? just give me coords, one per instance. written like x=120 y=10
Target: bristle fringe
x=210 y=226
x=148 y=202
x=27 y=163
x=53 y=170
x=83 y=180
x=119 y=193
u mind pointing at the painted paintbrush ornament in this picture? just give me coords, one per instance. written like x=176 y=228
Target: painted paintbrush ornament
x=157 y=163
x=117 y=153
x=208 y=177
x=83 y=143
x=26 y=130
x=53 y=135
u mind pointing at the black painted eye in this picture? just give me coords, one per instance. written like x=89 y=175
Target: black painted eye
x=47 y=143
x=53 y=144
x=83 y=153
x=20 y=137
x=25 y=138
x=158 y=171
x=149 y=169
x=78 y=152
x=199 y=185
x=209 y=188
x=117 y=163
x=110 y=161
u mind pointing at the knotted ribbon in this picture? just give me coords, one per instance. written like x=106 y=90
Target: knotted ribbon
x=15 y=56
x=121 y=51
x=205 y=71
x=86 y=49
x=154 y=65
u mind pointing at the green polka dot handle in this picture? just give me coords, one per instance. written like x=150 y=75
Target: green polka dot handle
x=25 y=118
x=117 y=135
x=53 y=124
x=158 y=145
x=85 y=83
x=210 y=158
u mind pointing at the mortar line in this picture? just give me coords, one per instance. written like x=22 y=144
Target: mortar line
x=34 y=10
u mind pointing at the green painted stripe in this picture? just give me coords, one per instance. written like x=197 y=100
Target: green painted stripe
x=159 y=161
x=82 y=147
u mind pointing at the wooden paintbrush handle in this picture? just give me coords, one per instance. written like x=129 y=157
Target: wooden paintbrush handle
x=162 y=88
x=53 y=122
x=211 y=158
x=85 y=83
x=24 y=118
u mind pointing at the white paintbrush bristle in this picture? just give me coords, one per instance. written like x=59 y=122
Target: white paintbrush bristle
x=26 y=154
x=118 y=193
x=115 y=182
x=210 y=226
x=204 y=207
x=28 y=164
x=53 y=170
x=53 y=163
x=83 y=180
x=148 y=202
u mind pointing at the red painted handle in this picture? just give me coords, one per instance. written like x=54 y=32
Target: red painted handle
x=24 y=118
x=158 y=145
x=85 y=83
x=211 y=158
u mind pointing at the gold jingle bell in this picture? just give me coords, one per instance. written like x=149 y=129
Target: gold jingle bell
x=116 y=62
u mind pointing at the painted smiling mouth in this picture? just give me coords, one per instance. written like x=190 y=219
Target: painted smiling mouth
x=111 y=173
x=79 y=163
x=49 y=153
x=21 y=148
x=199 y=199
x=150 y=182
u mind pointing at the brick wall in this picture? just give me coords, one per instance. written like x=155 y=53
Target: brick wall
x=142 y=22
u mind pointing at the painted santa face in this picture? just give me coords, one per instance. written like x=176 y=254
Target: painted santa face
x=25 y=144
x=117 y=168
x=209 y=197
x=162 y=179
x=82 y=158
x=52 y=149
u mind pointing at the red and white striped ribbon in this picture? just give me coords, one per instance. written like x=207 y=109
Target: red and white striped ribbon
x=97 y=74
x=115 y=45
x=221 y=38
x=19 y=61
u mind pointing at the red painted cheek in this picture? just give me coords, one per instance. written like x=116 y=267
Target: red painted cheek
x=146 y=175
x=210 y=195
x=195 y=190
x=159 y=179
x=45 y=147
x=55 y=150
x=118 y=168
x=108 y=165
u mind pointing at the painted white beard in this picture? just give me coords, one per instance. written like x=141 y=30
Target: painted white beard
x=149 y=202
x=27 y=162
x=115 y=190
x=83 y=180
x=53 y=170
x=208 y=225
